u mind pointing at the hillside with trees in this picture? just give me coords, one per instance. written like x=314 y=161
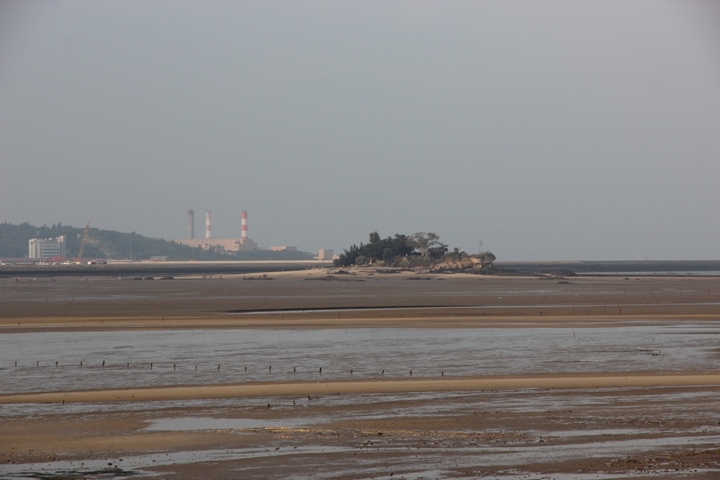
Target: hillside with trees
x=110 y=244
x=419 y=250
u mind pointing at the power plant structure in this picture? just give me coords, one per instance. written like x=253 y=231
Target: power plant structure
x=220 y=245
x=243 y=225
x=191 y=224
x=232 y=245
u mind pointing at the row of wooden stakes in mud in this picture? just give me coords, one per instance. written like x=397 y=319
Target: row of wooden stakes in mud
x=175 y=367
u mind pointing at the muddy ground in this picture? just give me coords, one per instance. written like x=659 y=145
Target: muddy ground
x=634 y=423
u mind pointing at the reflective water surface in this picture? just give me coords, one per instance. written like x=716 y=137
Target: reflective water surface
x=57 y=361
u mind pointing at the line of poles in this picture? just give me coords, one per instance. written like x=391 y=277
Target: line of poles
x=175 y=367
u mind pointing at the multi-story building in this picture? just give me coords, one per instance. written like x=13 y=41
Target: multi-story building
x=47 y=247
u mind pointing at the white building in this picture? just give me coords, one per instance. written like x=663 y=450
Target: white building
x=47 y=247
x=325 y=254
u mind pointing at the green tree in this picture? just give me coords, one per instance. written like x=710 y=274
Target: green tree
x=427 y=242
x=386 y=249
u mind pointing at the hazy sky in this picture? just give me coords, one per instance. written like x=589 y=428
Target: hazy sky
x=551 y=130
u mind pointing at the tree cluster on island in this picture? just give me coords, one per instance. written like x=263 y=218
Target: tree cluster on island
x=420 y=249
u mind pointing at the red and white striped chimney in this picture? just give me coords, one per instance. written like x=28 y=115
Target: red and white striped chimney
x=243 y=224
x=208 y=226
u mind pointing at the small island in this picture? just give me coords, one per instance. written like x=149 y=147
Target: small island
x=422 y=252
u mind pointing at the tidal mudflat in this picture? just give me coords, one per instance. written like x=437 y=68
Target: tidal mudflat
x=343 y=376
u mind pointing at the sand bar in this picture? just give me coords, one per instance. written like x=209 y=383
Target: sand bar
x=434 y=319
x=364 y=387
x=351 y=301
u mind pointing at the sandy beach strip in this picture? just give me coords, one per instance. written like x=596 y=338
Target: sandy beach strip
x=439 y=319
x=365 y=387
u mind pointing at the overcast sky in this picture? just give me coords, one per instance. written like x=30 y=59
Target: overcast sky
x=550 y=130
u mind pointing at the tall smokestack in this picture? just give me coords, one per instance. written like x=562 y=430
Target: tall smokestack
x=191 y=224
x=243 y=224
x=208 y=227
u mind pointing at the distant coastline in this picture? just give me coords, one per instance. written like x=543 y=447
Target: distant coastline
x=648 y=267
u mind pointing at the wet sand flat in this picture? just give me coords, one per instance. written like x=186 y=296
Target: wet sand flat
x=363 y=387
x=316 y=299
x=620 y=377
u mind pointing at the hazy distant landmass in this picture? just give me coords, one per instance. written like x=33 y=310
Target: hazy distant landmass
x=110 y=244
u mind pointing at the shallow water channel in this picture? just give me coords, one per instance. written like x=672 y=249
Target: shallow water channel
x=61 y=361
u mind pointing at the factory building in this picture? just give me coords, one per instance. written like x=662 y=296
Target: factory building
x=191 y=224
x=47 y=247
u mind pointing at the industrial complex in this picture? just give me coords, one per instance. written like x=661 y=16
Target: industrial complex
x=233 y=245
x=220 y=245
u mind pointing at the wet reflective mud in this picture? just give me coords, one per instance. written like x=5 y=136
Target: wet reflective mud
x=661 y=431
x=56 y=361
